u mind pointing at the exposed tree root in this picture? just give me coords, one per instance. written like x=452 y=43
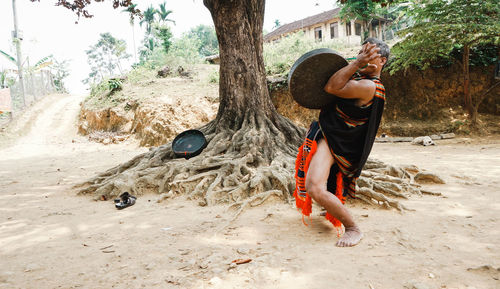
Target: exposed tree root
x=235 y=168
x=243 y=168
x=383 y=184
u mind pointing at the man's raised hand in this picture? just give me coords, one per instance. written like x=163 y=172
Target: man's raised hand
x=368 y=52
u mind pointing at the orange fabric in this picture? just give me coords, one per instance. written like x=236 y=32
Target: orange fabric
x=339 y=193
x=303 y=201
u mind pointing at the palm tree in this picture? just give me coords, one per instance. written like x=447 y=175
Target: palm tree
x=149 y=45
x=149 y=18
x=163 y=13
x=130 y=9
x=276 y=24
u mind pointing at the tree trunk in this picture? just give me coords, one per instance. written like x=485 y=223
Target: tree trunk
x=251 y=148
x=242 y=84
x=467 y=95
x=243 y=91
x=133 y=39
x=366 y=30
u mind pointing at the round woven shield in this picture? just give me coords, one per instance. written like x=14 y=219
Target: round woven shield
x=310 y=73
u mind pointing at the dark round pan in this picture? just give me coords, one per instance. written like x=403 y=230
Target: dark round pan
x=310 y=73
x=189 y=143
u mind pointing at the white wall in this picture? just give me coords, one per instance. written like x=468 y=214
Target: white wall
x=352 y=40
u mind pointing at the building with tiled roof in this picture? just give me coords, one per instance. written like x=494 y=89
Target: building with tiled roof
x=327 y=26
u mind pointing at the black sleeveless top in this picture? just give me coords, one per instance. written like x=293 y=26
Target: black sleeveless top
x=350 y=130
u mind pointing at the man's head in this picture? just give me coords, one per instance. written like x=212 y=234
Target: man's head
x=379 y=61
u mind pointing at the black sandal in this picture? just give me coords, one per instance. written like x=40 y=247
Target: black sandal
x=125 y=200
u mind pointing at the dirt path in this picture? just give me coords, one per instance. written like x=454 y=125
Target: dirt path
x=50 y=238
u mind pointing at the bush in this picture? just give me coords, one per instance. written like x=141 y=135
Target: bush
x=207 y=39
x=99 y=88
x=481 y=55
x=103 y=94
x=140 y=73
x=114 y=85
x=106 y=87
x=183 y=52
x=280 y=56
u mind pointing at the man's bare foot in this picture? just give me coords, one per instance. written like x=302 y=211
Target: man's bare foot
x=351 y=237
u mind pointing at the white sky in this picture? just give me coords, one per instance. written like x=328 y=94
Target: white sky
x=52 y=30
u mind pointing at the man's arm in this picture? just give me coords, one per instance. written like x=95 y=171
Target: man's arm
x=340 y=84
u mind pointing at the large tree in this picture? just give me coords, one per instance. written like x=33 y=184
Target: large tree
x=105 y=57
x=131 y=9
x=440 y=26
x=251 y=148
x=149 y=18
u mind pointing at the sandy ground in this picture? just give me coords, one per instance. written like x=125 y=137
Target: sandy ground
x=50 y=238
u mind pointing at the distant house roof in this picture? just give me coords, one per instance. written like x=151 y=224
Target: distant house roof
x=306 y=22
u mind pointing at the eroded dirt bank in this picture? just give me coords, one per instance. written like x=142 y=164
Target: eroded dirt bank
x=154 y=110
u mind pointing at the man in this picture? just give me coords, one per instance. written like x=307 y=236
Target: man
x=338 y=146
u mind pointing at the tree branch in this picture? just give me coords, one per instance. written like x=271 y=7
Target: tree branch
x=481 y=98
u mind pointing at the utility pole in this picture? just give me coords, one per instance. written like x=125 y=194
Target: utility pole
x=17 y=41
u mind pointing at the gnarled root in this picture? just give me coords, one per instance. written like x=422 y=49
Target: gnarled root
x=381 y=184
x=236 y=167
x=242 y=167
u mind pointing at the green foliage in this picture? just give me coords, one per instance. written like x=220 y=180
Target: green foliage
x=163 y=33
x=207 y=39
x=277 y=24
x=157 y=31
x=399 y=14
x=114 y=84
x=149 y=18
x=3 y=79
x=183 y=52
x=358 y=9
x=42 y=61
x=98 y=88
x=140 y=73
x=149 y=45
x=163 y=13
x=214 y=77
x=442 y=26
x=364 y=10
x=8 y=56
x=104 y=94
x=481 y=55
x=131 y=10
x=60 y=71
x=106 y=87
x=10 y=81
x=153 y=59
x=280 y=56
x=105 y=57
